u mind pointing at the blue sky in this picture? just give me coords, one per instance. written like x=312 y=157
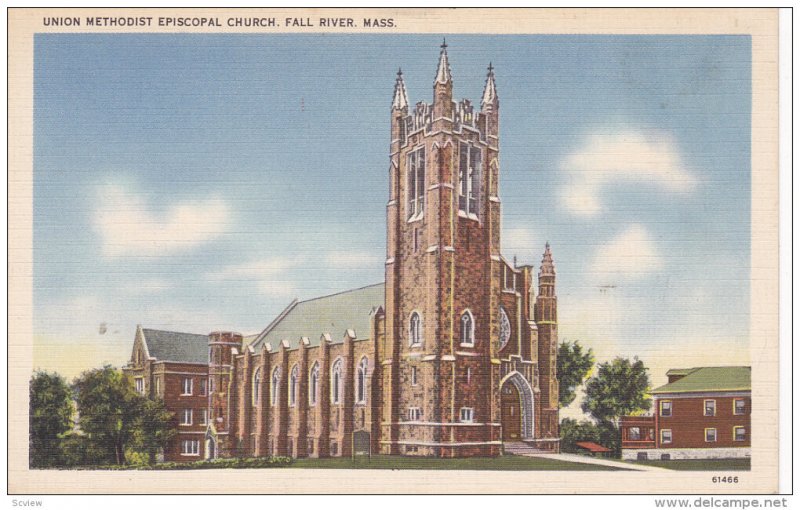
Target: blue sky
x=200 y=182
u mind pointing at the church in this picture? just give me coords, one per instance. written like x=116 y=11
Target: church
x=453 y=355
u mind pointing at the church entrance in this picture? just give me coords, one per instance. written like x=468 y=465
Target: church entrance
x=211 y=449
x=510 y=415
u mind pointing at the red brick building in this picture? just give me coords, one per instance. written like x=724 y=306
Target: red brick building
x=700 y=413
x=453 y=355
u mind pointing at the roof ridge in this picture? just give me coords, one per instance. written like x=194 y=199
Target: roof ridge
x=341 y=292
x=171 y=331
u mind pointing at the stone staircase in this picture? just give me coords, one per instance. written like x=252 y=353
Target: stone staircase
x=524 y=449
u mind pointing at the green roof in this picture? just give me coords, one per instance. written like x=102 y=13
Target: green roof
x=174 y=346
x=703 y=379
x=334 y=314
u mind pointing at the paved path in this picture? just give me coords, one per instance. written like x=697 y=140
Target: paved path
x=583 y=459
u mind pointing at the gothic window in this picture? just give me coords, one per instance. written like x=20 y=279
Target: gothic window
x=505 y=328
x=336 y=382
x=256 y=386
x=415 y=190
x=313 y=384
x=293 y=380
x=469 y=179
x=361 y=381
x=276 y=381
x=415 y=330
x=467 y=329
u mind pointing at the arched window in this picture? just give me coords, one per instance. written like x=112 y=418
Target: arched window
x=336 y=381
x=313 y=384
x=293 y=380
x=276 y=382
x=505 y=328
x=415 y=330
x=467 y=329
x=256 y=386
x=361 y=381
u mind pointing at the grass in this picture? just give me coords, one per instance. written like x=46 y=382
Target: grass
x=504 y=463
x=699 y=464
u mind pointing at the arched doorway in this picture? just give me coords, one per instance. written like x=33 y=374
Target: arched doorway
x=211 y=448
x=516 y=408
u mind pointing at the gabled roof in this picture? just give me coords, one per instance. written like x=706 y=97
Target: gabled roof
x=334 y=314
x=705 y=379
x=175 y=346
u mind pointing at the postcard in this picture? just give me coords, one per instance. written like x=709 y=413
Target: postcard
x=338 y=250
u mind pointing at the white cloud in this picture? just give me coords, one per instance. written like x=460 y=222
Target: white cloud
x=352 y=260
x=651 y=158
x=129 y=226
x=630 y=255
x=269 y=274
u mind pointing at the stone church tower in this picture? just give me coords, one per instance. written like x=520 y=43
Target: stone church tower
x=452 y=302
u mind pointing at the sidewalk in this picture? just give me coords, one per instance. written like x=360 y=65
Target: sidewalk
x=583 y=459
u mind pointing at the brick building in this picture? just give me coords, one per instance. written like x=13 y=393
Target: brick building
x=700 y=413
x=453 y=355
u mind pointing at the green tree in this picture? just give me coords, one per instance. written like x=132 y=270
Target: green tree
x=154 y=429
x=109 y=409
x=619 y=388
x=50 y=417
x=572 y=368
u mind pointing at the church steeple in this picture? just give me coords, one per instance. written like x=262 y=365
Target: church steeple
x=489 y=99
x=443 y=72
x=400 y=99
x=547 y=268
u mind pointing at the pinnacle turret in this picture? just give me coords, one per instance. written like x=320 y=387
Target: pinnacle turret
x=400 y=99
x=443 y=72
x=490 y=90
x=547 y=267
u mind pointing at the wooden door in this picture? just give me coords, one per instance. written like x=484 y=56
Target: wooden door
x=510 y=413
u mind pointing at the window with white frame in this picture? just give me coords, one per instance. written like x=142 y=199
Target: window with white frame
x=413 y=376
x=666 y=408
x=313 y=384
x=190 y=447
x=187 y=386
x=709 y=408
x=204 y=417
x=739 y=406
x=294 y=379
x=139 y=383
x=274 y=388
x=739 y=434
x=415 y=191
x=666 y=436
x=336 y=382
x=256 y=387
x=634 y=433
x=414 y=414
x=186 y=417
x=415 y=330
x=361 y=381
x=711 y=435
x=203 y=386
x=469 y=179
x=467 y=415
x=467 y=329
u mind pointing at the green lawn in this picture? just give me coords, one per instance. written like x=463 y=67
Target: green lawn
x=699 y=464
x=504 y=463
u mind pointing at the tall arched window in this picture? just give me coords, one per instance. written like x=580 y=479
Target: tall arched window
x=505 y=328
x=256 y=386
x=293 y=381
x=313 y=384
x=467 y=329
x=415 y=329
x=361 y=381
x=276 y=382
x=336 y=381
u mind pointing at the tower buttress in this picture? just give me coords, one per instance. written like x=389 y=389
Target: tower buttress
x=546 y=315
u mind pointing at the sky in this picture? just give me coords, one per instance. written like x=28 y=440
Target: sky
x=201 y=182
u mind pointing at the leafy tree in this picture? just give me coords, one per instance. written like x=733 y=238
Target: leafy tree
x=572 y=368
x=573 y=431
x=619 y=388
x=50 y=417
x=155 y=428
x=109 y=409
